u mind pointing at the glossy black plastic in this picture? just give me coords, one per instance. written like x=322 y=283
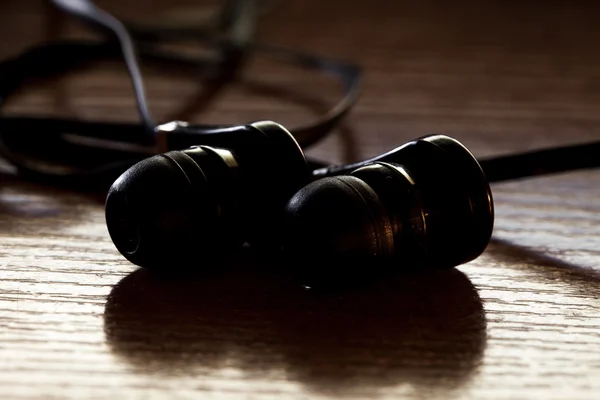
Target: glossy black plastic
x=173 y=210
x=425 y=204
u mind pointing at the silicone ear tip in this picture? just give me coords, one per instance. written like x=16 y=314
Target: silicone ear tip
x=338 y=219
x=152 y=215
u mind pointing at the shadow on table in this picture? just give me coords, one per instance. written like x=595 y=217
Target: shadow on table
x=584 y=279
x=427 y=330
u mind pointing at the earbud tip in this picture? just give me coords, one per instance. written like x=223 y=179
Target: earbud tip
x=335 y=228
x=157 y=219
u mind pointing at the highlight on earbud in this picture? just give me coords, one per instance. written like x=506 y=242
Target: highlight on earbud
x=426 y=204
x=174 y=210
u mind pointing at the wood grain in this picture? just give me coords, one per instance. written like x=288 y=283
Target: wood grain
x=520 y=322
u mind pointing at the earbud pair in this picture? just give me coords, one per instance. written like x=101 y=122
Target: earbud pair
x=425 y=203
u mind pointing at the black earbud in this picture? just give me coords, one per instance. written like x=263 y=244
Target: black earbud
x=426 y=203
x=176 y=209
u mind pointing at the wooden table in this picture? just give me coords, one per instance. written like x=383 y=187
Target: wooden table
x=520 y=322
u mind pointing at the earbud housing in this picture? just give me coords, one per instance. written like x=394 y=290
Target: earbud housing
x=426 y=204
x=178 y=209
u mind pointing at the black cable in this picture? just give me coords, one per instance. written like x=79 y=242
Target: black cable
x=24 y=136
x=88 y=12
x=541 y=162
